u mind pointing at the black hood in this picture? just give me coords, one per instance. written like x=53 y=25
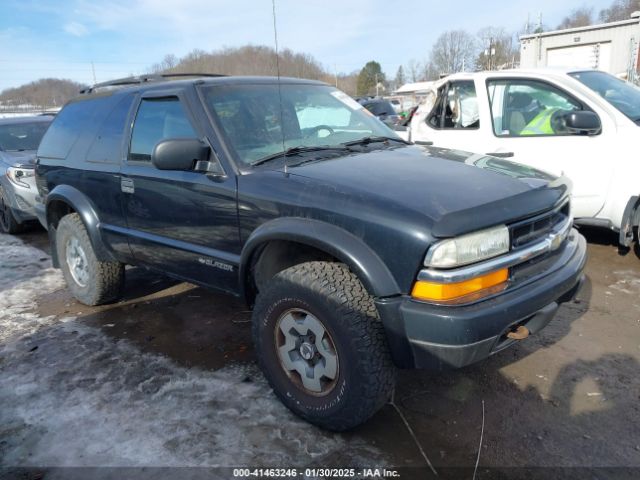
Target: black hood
x=458 y=191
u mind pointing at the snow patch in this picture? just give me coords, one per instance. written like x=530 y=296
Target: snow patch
x=73 y=396
x=629 y=283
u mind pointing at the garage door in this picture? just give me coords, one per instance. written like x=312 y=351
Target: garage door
x=596 y=55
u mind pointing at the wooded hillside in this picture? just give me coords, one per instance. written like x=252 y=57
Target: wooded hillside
x=254 y=60
x=43 y=93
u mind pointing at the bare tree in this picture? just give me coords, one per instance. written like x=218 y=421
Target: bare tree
x=399 y=80
x=498 y=49
x=619 y=10
x=413 y=71
x=454 y=51
x=168 y=62
x=430 y=72
x=580 y=17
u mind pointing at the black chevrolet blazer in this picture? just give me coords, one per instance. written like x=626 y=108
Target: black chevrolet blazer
x=358 y=252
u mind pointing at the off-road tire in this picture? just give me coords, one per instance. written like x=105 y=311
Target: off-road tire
x=335 y=296
x=106 y=279
x=8 y=222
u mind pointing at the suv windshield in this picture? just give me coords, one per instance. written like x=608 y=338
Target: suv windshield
x=381 y=107
x=622 y=95
x=21 y=136
x=311 y=116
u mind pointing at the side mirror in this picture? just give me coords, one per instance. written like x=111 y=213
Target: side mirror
x=179 y=153
x=582 y=122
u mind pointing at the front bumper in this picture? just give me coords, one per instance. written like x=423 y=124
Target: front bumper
x=439 y=337
x=22 y=200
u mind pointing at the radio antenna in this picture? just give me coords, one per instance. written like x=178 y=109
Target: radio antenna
x=275 y=36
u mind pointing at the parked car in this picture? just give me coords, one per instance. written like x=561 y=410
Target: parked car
x=382 y=109
x=355 y=250
x=19 y=139
x=580 y=123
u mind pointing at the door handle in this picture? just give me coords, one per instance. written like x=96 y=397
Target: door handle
x=127 y=185
x=501 y=154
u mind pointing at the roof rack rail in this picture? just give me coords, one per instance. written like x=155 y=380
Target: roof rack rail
x=138 y=79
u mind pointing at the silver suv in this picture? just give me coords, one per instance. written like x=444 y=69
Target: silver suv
x=19 y=140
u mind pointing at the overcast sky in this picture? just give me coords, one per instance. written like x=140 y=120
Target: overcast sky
x=55 y=38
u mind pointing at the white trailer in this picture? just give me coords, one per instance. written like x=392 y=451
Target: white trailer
x=610 y=47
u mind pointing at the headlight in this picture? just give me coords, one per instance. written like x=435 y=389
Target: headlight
x=18 y=174
x=469 y=248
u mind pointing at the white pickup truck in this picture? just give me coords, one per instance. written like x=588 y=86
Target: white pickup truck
x=583 y=124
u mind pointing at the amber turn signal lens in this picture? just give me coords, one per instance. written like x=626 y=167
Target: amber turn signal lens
x=446 y=292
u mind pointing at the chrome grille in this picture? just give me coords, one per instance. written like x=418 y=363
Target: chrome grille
x=533 y=229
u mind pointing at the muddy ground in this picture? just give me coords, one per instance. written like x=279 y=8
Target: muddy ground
x=167 y=378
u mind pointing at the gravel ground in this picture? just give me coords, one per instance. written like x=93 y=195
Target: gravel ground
x=166 y=377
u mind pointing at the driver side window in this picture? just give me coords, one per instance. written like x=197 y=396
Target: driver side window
x=157 y=119
x=522 y=107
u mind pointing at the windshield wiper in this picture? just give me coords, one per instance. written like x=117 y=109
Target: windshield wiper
x=297 y=150
x=374 y=139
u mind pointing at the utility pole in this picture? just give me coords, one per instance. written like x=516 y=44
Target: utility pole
x=93 y=70
x=376 y=84
x=335 y=72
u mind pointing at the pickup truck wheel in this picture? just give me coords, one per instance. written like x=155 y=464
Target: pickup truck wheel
x=91 y=281
x=322 y=346
x=8 y=222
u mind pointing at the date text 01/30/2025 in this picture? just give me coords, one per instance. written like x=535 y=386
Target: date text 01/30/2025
x=315 y=472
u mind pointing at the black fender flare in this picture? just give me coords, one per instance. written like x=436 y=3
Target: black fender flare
x=80 y=203
x=337 y=242
x=628 y=222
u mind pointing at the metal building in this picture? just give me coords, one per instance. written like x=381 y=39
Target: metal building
x=612 y=47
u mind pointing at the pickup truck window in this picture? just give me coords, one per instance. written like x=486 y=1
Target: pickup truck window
x=157 y=119
x=522 y=107
x=622 y=95
x=456 y=107
x=262 y=120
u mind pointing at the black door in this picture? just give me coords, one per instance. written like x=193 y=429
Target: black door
x=181 y=222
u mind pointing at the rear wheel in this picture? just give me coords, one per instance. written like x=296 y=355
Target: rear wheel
x=322 y=346
x=91 y=281
x=8 y=222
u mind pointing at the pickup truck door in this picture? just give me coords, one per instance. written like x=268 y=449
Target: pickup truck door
x=514 y=105
x=455 y=120
x=184 y=223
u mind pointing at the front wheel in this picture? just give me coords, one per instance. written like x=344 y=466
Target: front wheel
x=322 y=346
x=91 y=281
x=8 y=221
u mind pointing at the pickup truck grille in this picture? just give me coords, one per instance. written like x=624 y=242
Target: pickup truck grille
x=533 y=229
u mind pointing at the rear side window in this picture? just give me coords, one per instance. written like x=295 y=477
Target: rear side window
x=456 y=107
x=72 y=120
x=107 y=146
x=158 y=119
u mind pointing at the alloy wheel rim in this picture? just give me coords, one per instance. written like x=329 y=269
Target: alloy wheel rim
x=77 y=262
x=306 y=352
